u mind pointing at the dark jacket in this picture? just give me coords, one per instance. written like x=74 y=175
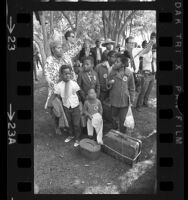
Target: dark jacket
x=94 y=54
x=122 y=88
x=102 y=72
x=85 y=84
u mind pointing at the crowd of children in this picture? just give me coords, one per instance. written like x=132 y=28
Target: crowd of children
x=83 y=98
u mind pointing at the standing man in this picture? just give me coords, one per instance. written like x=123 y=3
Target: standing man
x=148 y=75
x=108 y=44
x=97 y=52
x=130 y=52
x=134 y=55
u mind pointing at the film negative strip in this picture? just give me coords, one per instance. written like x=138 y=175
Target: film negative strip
x=21 y=107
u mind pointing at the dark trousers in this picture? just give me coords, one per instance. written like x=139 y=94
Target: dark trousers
x=119 y=114
x=137 y=81
x=147 y=82
x=73 y=117
x=103 y=96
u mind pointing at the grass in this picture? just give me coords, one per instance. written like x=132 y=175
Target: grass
x=59 y=168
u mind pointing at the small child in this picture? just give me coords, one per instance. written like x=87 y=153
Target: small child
x=93 y=111
x=103 y=70
x=67 y=89
x=122 y=88
x=88 y=78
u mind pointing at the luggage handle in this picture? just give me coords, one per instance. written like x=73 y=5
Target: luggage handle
x=125 y=137
x=124 y=155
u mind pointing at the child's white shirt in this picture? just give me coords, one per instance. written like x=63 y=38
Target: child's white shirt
x=72 y=100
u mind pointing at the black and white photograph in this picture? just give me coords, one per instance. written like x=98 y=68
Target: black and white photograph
x=95 y=98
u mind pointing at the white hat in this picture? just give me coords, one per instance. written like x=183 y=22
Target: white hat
x=108 y=41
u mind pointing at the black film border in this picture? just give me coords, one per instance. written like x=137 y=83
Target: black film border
x=20 y=133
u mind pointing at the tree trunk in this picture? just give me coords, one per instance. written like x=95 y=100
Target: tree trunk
x=142 y=34
x=51 y=23
x=69 y=20
x=104 y=25
x=131 y=25
x=76 y=20
x=44 y=32
x=42 y=51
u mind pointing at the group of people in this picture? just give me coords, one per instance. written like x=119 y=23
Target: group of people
x=80 y=80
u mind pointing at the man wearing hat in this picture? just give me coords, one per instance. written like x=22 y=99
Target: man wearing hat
x=97 y=53
x=108 y=44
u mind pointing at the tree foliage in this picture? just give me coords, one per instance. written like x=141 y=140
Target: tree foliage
x=116 y=25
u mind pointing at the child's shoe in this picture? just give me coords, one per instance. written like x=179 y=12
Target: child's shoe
x=69 y=138
x=76 y=144
x=99 y=141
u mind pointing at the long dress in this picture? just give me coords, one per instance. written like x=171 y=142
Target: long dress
x=51 y=70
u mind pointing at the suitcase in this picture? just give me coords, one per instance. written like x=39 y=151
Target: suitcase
x=90 y=149
x=122 y=146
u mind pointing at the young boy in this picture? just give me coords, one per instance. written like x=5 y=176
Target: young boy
x=122 y=86
x=93 y=111
x=103 y=70
x=67 y=89
x=77 y=69
x=88 y=78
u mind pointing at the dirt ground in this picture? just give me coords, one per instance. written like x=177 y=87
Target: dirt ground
x=59 y=168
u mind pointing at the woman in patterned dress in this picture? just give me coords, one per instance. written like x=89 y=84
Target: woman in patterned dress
x=52 y=66
x=71 y=49
x=60 y=54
